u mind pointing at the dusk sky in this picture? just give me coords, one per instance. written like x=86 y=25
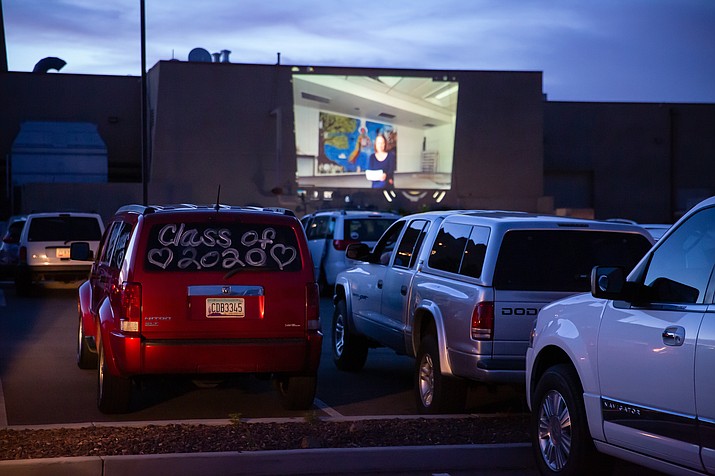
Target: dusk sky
x=588 y=50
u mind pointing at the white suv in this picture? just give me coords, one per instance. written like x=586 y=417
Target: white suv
x=329 y=232
x=44 y=254
x=628 y=370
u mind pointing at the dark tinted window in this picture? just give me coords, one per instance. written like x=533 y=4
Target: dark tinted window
x=460 y=249
x=561 y=260
x=366 y=229
x=410 y=244
x=64 y=228
x=318 y=228
x=473 y=260
x=680 y=268
x=449 y=247
x=120 y=245
x=221 y=247
x=384 y=247
x=14 y=230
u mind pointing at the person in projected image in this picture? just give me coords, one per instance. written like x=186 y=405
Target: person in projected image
x=382 y=164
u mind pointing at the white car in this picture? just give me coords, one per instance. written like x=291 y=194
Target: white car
x=44 y=247
x=628 y=370
x=329 y=232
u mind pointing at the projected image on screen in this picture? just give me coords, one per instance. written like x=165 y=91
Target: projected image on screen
x=349 y=130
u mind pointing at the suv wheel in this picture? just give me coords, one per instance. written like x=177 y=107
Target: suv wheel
x=349 y=350
x=113 y=393
x=297 y=392
x=434 y=392
x=86 y=359
x=560 y=432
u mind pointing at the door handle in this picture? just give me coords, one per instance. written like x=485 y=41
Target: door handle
x=674 y=336
x=403 y=290
x=379 y=284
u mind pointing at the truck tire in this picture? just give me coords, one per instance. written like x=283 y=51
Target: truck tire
x=297 y=392
x=349 y=349
x=86 y=359
x=560 y=436
x=113 y=393
x=435 y=392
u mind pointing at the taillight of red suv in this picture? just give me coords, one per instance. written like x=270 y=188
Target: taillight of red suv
x=130 y=296
x=483 y=321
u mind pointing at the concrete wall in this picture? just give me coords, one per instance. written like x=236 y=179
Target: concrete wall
x=647 y=162
x=111 y=102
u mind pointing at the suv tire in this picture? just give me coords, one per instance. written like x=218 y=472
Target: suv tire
x=434 y=392
x=297 y=392
x=560 y=436
x=113 y=393
x=349 y=350
x=86 y=359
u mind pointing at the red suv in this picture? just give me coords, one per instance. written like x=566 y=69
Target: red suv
x=197 y=290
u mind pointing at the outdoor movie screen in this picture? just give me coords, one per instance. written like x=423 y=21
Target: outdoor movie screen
x=385 y=132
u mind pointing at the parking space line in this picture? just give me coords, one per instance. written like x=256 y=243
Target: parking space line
x=327 y=409
x=3 y=412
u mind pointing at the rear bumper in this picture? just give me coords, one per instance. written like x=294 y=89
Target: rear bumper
x=53 y=273
x=485 y=368
x=136 y=356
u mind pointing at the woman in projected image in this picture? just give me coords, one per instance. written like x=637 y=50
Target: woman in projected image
x=382 y=164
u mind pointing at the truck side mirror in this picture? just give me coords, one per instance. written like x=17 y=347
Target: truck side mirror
x=608 y=282
x=357 y=251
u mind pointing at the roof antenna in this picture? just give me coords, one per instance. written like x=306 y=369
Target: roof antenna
x=218 y=197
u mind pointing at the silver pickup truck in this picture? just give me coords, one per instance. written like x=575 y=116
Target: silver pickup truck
x=460 y=290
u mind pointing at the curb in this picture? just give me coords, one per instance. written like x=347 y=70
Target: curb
x=488 y=459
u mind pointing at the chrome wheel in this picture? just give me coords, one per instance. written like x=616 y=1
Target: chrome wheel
x=554 y=430
x=349 y=349
x=339 y=334
x=426 y=380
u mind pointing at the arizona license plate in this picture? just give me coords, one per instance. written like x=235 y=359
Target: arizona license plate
x=225 y=307
x=62 y=252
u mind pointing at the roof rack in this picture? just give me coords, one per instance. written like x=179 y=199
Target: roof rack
x=146 y=209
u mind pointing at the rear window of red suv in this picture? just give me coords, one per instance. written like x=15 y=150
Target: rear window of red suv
x=222 y=247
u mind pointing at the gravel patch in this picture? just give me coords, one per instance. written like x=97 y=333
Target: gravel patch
x=240 y=435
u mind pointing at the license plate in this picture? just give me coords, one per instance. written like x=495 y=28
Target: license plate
x=62 y=252
x=225 y=307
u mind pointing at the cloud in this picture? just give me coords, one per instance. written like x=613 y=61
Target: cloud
x=637 y=50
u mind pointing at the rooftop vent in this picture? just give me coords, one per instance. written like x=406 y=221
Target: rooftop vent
x=313 y=97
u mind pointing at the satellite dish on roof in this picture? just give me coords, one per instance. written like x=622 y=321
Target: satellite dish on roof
x=199 y=55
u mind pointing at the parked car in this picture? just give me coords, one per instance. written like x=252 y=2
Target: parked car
x=329 y=232
x=628 y=370
x=10 y=246
x=459 y=291
x=196 y=291
x=44 y=247
x=656 y=230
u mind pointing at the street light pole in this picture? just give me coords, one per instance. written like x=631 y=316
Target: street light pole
x=143 y=122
